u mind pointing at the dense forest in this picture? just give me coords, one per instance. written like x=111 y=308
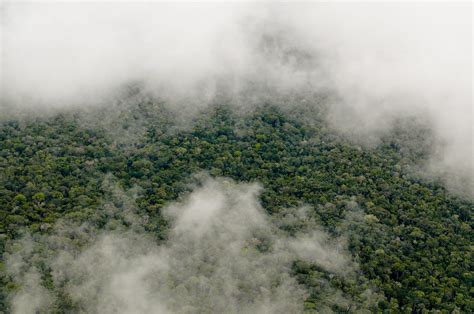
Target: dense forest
x=410 y=237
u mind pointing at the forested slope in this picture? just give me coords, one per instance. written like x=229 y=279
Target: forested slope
x=412 y=239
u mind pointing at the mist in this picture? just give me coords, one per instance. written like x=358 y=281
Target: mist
x=383 y=61
x=224 y=254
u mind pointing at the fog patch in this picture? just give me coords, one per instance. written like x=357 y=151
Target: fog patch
x=31 y=296
x=223 y=253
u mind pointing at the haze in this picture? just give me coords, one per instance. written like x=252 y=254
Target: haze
x=382 y=60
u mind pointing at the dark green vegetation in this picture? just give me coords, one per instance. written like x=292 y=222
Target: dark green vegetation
x=413 y=245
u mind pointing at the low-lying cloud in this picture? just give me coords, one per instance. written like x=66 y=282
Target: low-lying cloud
x=382 y=60
x=224 y=254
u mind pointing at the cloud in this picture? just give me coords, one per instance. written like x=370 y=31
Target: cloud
x=223 y=254
x=394 y=60
x=32 y=297
x=383 y=61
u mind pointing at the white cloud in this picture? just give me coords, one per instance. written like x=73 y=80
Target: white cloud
x=384 y=60
x=223 y=255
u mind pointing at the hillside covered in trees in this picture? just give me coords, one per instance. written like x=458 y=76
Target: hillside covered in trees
x=409 y=238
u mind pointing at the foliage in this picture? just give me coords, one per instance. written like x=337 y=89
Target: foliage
x=411 y=238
